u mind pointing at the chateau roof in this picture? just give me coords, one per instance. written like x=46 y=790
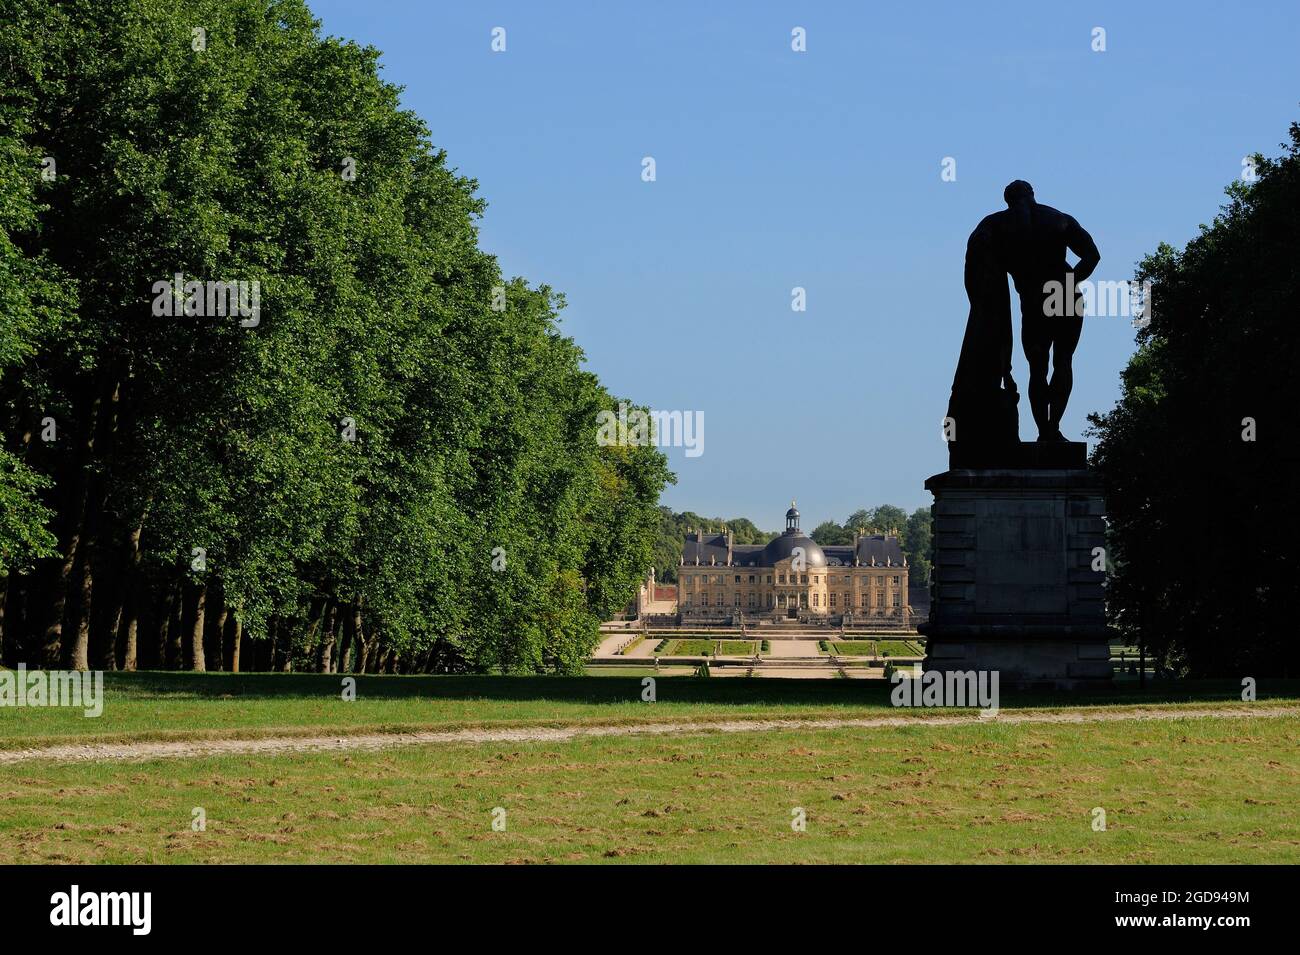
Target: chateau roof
x=711 y=549
x=883 y=548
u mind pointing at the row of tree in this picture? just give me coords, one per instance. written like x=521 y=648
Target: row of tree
x=386 y=459
x=913 y=533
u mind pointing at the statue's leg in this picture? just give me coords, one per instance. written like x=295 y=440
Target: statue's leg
x=1036 y=337
x=1064 y=343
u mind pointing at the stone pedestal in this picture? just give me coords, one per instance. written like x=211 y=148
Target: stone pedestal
x=1013 y=587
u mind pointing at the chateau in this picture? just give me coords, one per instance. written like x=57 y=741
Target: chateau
x=858 y=584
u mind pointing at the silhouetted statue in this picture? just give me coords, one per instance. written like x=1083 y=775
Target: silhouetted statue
x=1028 y=241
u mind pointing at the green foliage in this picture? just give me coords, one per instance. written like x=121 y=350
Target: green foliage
x=828 y=532
x=474 y=519
x=1220 y=348
x=23 y=532
x=918 y=543
x=36 y=300
x=884 y=518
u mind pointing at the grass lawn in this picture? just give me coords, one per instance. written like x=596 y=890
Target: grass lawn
x=854 y=648
x=177 y=705
x=689 y=648
x=664 y=670
x=1196 y=790
x=901 y=648
x=737 y=648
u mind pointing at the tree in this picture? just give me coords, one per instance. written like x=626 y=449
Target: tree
x=860 y=519
x=828 y=532
x=917 y=541
x=1204 y=416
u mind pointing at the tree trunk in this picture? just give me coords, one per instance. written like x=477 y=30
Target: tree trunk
x=79 y=656
x=325 y=651
x=129 y=634
x=78 y=484
x=218 y=638
x=4 y=603
x=236 y=633
x=100 y=434
x=107 y=630
x=350 y=613
x=198 y=600
x=175 y=616
x=52 y=651
x=285 y=637
x=216 y=627
x=281 y=636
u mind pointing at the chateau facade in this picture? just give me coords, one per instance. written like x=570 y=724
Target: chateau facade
x=858 y=584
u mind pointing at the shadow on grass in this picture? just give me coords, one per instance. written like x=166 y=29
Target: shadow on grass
x=675 y=689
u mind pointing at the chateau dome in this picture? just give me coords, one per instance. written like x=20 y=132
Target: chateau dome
x=783 y=547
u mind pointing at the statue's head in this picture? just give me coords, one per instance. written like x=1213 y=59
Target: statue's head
x=1018 y=191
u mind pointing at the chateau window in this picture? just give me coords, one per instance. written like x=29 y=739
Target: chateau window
x=803 y=578
x=704 y=600
x=738 y=578
x=737 y=601
x=897 y=580
x=769 y=601
x=817 y=580
x=832 y=600
x=750 y=600
x=847 y=578
x=848 y=600
x=896 y=603
x=751 y=578
x=816 y=602
x=780 y=600
x=783 y=578
x=769 y=578
x=880 y=581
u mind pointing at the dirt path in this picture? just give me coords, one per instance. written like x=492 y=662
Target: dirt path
x=794 y=648
x=373 y=741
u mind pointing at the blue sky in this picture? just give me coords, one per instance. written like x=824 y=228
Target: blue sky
x=821 y=169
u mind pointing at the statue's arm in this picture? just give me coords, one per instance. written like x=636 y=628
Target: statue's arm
x=1078 y=241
